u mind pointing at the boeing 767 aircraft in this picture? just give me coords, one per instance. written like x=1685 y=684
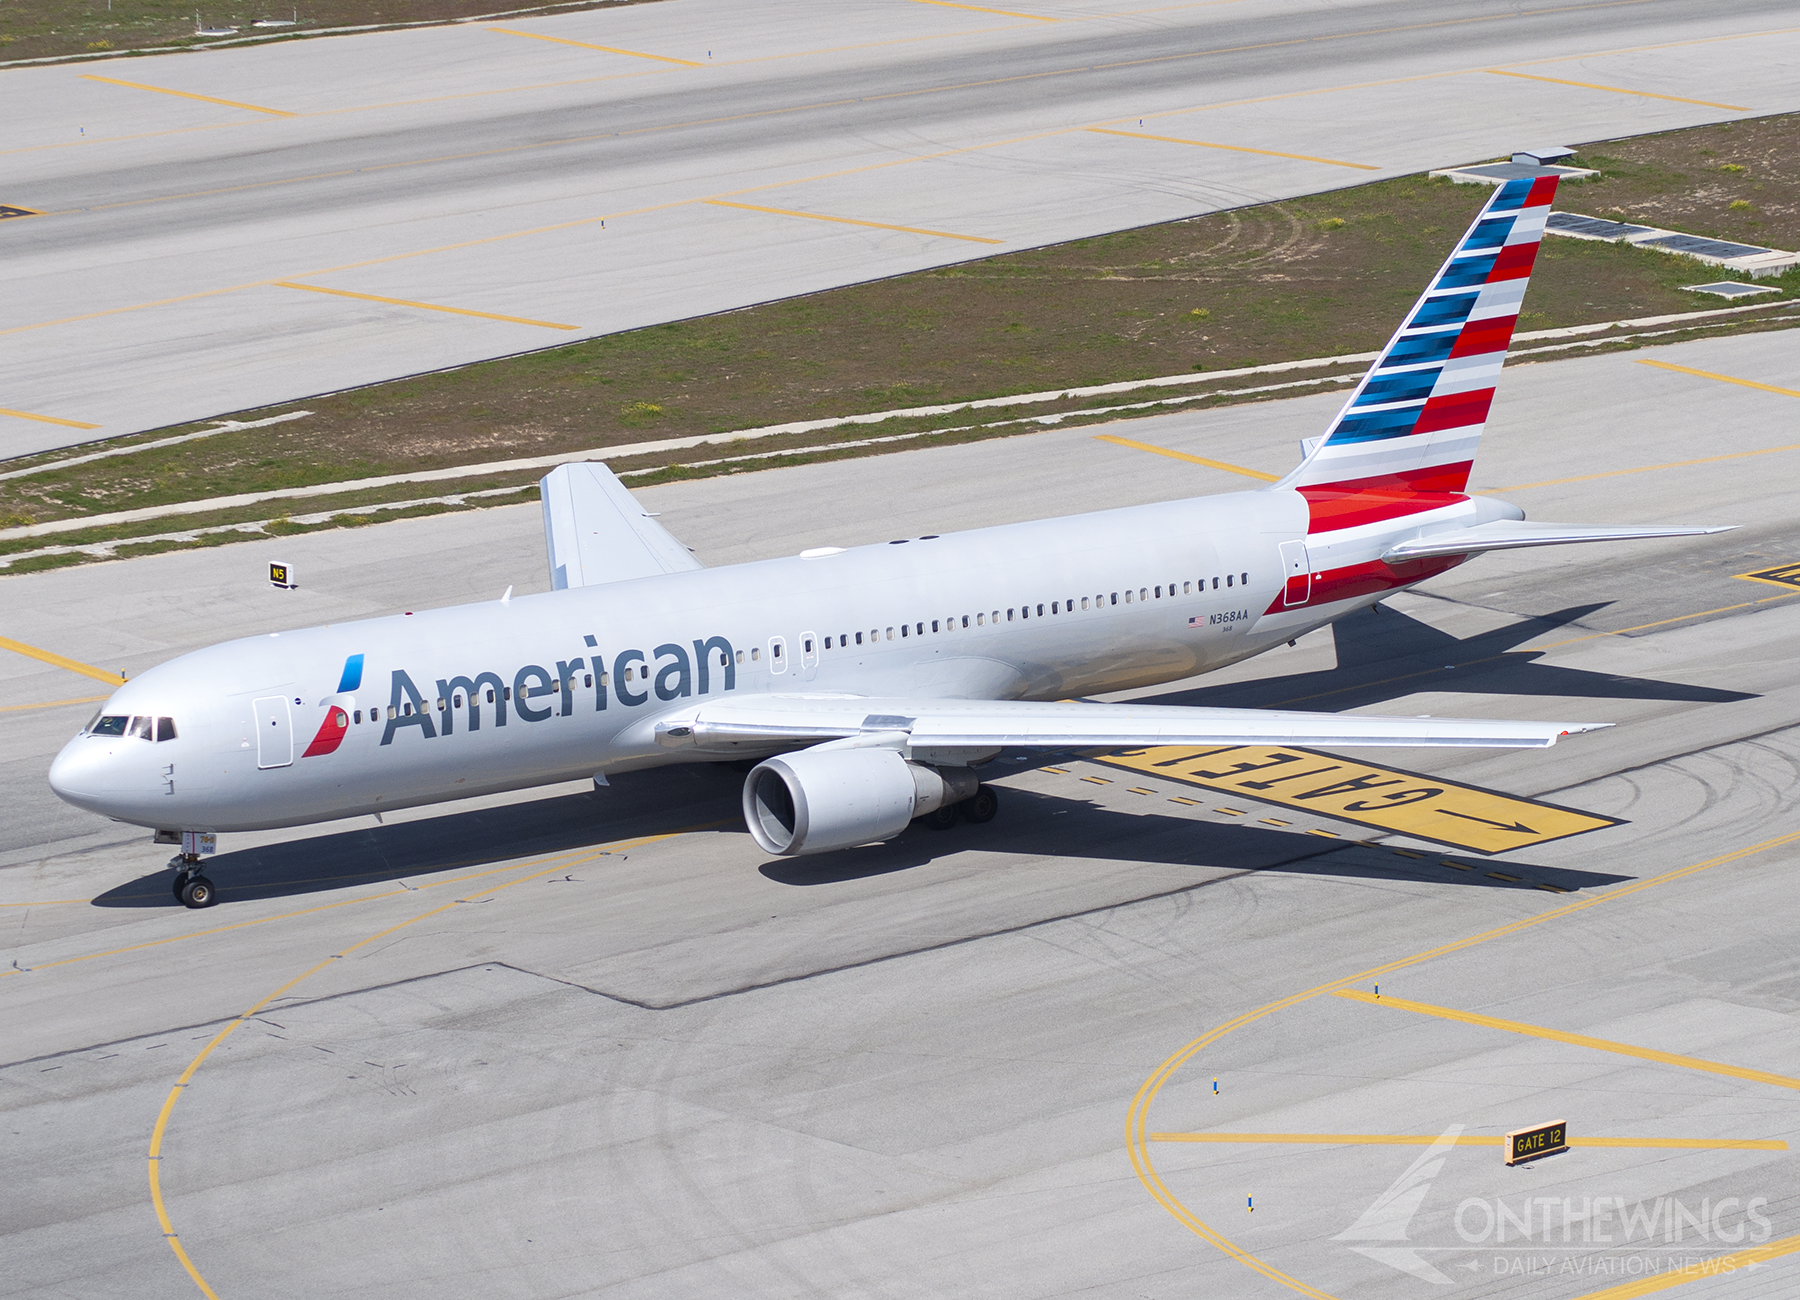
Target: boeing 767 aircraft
x=871 y=682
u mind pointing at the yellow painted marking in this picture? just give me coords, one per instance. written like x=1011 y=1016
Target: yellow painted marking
x=1551 y=889
x=1096 y=780
x=1501 y=875
x=51 y=704
x=1274 y=821
x=1782 y=575
x=182 y=94
x=160 y=1130
x=982 y=9
x=1645 y=469
x=1137 y=1116
x=852 y=221
x=48 y=902
x=1470 y=1140
x=1182 y=455
x=58 y=661
x=1454 y=866
x=1230 y=812
x=1191 y=803
x=1575 y=1040
x=425 y=306
x=1389 y=799
x=1723 y=379
x=11 y=210
x=1138 y=789
x=1330 y=835
x=47 y=419
x=1233 y=148
x=586 y=45
x=1060 y=771
x=1717 y=1266
x=1618 y=90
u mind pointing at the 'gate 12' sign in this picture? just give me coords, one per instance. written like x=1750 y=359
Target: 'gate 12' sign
x=1523 y=1144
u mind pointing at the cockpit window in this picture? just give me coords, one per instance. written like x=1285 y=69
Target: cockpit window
x=143 y=728
x=165 y=728
x=111 y=724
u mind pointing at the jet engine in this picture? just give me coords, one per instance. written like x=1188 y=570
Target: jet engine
x=822 y=799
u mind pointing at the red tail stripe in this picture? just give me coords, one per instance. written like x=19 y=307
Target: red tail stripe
x=1366 y=579
x=1543 y=192
x=1514 y=262
x=1453 y=410
x=1480 y=336
x=1350 y=510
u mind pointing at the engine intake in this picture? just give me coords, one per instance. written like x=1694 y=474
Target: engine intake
x=822 y=799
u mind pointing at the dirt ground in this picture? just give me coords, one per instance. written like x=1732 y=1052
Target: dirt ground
x=1319 y=276
x=39 y=29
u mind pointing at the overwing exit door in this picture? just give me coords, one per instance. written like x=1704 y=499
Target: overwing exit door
x=274 y=731
x=1299 y=573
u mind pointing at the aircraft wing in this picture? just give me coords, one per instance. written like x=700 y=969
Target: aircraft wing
x=597 y=532
x=1510 y=534
x=987 y=724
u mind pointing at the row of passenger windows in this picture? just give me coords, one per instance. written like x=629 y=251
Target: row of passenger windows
x=1021 y=612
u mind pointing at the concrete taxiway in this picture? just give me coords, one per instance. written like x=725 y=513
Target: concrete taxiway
x=249 y=226
x=1112 y=1043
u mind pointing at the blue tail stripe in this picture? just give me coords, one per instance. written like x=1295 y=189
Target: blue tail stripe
x=1443 y=311
x=1379 y=424
x=1489 y=233
x=1511 y=197
x=352 y=678
x=1465 y=271
x=1413 y=386
x=1426 y=347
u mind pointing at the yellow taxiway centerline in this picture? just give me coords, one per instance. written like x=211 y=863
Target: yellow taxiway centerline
x=47 y=419
x=1617 y=90
x=424 y=306
x=982 y=9
x=852 y=221
x=51 y=704
x=1233 y=148
x=1182 y=455
x=1470 y=1140
x=1574 y=1040
x=183 y=94
x=588 y=45
x=1724 y=379
x=59 y=661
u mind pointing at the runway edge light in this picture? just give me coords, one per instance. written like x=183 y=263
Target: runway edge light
x=1524 y=1144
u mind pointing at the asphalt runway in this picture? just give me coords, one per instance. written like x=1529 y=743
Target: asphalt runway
x=250 y=226
x=576 y=1043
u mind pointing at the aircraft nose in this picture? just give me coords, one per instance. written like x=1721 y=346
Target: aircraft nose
x=78 y=773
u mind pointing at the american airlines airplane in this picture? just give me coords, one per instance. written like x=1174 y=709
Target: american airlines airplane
x=871 y=682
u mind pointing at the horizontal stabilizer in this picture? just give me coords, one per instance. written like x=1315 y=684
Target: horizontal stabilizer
x=1511 y=534
x=597 y=532
x=987 y=724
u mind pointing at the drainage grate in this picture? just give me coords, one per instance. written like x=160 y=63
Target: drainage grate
x=1700 y=246
x=1573 y=223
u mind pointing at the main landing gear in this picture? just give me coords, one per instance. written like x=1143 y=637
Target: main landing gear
x=191 y=888
x=977 y=808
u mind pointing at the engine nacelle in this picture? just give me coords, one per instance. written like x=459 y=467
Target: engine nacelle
x=822 y=799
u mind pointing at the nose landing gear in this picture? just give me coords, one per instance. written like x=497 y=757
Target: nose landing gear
x=191 y=888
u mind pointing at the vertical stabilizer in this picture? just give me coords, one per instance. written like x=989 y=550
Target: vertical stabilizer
x=1413 y=423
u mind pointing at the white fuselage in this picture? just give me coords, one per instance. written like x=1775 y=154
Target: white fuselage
x=1031 y=611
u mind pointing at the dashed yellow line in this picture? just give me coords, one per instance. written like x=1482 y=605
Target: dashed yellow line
x=852 y=221
x=47 y=419
x=1470 y=1140
x=1574 y=1040
x=183 y=94
x=425 y=306
x=588 y=45
x=1232 y=148
x=1182 y=455
x=60 y=661
x=1617 y=90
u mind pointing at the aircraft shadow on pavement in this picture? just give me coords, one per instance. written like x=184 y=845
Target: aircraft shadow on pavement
x=1388 y=655
x=677 y=798
x=1037 y=825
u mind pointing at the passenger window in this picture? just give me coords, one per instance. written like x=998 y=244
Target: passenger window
x=1056 y=607
x=1227 y=580
x=996 y=616
x=392 y=713
x=1009 y=616
x=357 y=717
x=859 y=638
x=1159 y=592
x=165 y=729
x=1115 y=598
x=1244 y=578
x=965 y=619
x=934 y=625
x=903 y=630
x=1143 y=593
x=1040 y=611
x=776 y=650
x=1187 y=589
x=980 y=619
x=740 y=654
x=442 y=704
x=890 y=634
x=808 y=646
x=920 y=628
x=490 y=694
x=755 y=657
x=1127 y=597
x=1084 y=602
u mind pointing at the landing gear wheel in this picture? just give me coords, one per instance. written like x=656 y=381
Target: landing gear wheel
x=943 y=818
x=180 y=883
x=980 y=806
x=198 y=892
